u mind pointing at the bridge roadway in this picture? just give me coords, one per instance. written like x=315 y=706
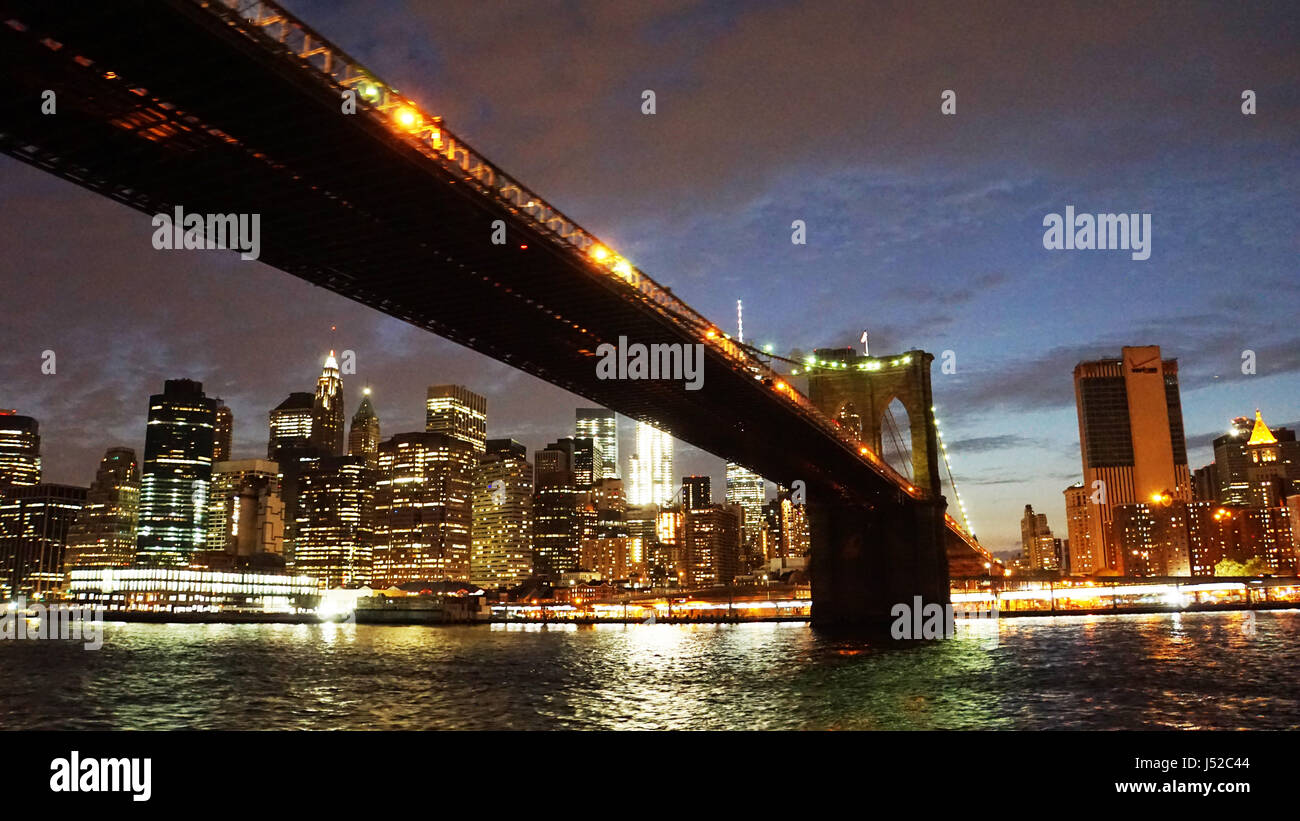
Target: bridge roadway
x=165 y=103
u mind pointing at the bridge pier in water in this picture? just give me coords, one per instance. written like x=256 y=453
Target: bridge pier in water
x=864 y=561
x=867 y=558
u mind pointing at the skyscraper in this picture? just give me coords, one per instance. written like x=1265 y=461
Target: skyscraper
x=587 y=461
x=177 y=472
x=459 y=413
x=222 y=433
x=334 y=531
x=363 y=439
x=290 y=425
x=747 y=489
x=1259 y=465
x=501 y=553
x=696 y=492
x=558 y=507
x=601 y=425
x=20 y=450
x=328 y=427
x=1037 y=546
x=1082 y=559
x=651 y=467
x=34 y=525
x=245 y=509
x=712 y=545
x=1131 y=438
x=423 y=508
x=104 y=534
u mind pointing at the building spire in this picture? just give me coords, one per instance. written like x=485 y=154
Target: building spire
x=1261 y=435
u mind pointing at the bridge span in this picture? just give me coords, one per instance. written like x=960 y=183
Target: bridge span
x=234 y=107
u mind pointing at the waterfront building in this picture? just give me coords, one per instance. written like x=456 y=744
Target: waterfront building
x=178 y=590
x=104 y=533
x=20 y=450
x=176 y=474
x=423 y=504
x=1131 y=438
x=711 y=536
x=335 y=529
x=458 y=412
x=34 y=524
x=501 y=552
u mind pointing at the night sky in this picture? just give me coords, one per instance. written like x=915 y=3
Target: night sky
x=925 y=229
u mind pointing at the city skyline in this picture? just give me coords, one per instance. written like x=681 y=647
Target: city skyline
x=946 y=259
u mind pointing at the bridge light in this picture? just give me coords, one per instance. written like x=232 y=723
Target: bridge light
x=370 y=91
x=767 y=348
x=781 y=386
x=408 y=118
x=599 y=253
x=622 y=268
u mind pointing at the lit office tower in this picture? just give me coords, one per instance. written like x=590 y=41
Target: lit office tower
x=423 y=508
x=587 y=461
x=105 y=531
x=501 y=553
x=363 y=439
x=601 y=425
x=290 y=424
x=1082 y=559
x=328 y=427
x=696 y=493
x=20 y=450
x=746 y=489
x=1255 y=465
x=1131 y=438
x=712 y=545
x=1037 y=546
x=34 y=525
x=223 y=432
x=334 y=530
x=176 y=474
x=557 y=509
x=459 y=413
x=244 y=498
x=651 y=467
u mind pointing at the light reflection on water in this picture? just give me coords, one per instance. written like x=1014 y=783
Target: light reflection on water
x=1087 y=672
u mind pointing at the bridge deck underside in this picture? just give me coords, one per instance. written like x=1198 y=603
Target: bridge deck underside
x=349 y=206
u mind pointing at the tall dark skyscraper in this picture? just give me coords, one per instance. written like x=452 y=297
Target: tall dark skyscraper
x=696 y=492
x=363 y=439
x=104 y=534
x=557 y=515
x=290 y=427
x=458 y=412
x=329 y=425
x=222 y=434
x=602 y=426
x=20 y=450
x=176 y=475
x=587 y=463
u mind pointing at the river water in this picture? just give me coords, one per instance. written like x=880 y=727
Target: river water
x=1192 y=670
